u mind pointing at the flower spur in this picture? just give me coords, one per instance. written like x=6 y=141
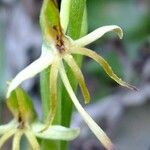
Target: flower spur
x=57 y=48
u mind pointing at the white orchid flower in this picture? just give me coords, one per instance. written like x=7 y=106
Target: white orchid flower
x=53 y=54
x=58 y=48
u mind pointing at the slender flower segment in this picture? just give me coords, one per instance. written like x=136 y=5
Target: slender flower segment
x=16 y=142
x=32 y=139
x=79 y=76
x=6 y=136
x=99 y=133
x=57 y=48
x=101 y=61
x=53 y=93
x=37 y=66
x=98 y=33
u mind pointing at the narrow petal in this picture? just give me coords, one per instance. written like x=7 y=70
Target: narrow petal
x=7 y=127
x=53 y=93
x=99 y=133
x=100 y=60
x=30 y=71
x=16 y=140
x=32 y=140
x=64 y=14
x=79 y=76
x=98 y=33
x=6 y=136
x=55 y=132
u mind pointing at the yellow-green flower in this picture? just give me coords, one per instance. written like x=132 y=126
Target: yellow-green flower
x=25 y=123
x=32 y=131
x=58 y=48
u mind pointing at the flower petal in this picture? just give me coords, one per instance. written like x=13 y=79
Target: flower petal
x=64 y=14
x=16 y=140
x=6 y=136
x=99 y=133
x=53 y=93
x=7 y=127
x=55 y=132
x=37 y=66
x=79 y=76
x=32 y=140
x=100 y=60
x=98 y=33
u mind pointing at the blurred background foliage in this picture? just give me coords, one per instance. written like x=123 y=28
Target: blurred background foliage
x=122 y=113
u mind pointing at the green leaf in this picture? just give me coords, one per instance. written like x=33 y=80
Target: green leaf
x=55 y=132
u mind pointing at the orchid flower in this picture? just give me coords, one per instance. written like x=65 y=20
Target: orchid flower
x=58 y=48
x=25 y=123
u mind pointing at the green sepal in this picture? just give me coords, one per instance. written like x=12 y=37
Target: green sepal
x=50 y=21
x=20 y=105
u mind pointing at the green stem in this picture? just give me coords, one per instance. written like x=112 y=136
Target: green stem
x=77 y=27
x=44 y=82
